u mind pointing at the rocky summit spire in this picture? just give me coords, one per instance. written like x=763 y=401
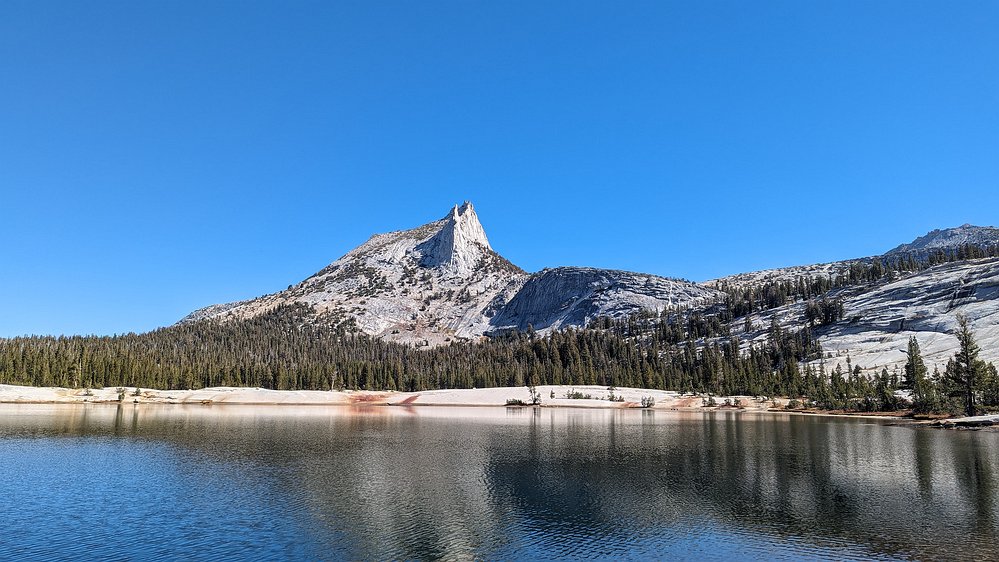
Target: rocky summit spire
x=466 y=224
x=459 y=245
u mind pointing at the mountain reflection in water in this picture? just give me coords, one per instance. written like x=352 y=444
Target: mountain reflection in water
x=146 y=481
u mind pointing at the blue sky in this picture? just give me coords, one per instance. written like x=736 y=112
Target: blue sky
x=156 y=157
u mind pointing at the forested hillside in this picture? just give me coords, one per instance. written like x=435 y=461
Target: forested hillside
x=282 y=350
x=758 y=334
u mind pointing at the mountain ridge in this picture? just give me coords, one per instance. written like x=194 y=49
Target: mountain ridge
x=442 y=281
x=940 y=240
x=949 y=239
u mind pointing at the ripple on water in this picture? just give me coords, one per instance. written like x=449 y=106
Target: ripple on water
x=328 y=483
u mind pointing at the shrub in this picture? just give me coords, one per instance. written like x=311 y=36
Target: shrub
x=793 y=404
x=648 y=401
x=515 y=402
x=535 y=395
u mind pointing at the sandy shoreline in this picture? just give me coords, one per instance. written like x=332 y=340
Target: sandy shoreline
x=626 y=398
x=551 y=395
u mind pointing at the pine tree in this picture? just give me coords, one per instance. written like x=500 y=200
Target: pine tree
x=966 y=370
x=914 y=366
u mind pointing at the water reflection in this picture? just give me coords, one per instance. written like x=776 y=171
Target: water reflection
x=410 y=483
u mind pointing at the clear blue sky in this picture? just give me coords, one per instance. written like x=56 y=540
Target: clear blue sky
x=159 y=156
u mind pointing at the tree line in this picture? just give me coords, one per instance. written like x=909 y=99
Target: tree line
x=743 y=300
x=283 y=350
x=684 y=350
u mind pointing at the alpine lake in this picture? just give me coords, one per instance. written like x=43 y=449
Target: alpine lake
x=175 y=482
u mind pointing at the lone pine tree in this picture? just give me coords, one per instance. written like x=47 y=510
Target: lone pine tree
x=966 y=372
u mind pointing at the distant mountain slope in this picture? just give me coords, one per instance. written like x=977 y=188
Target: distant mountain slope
x=879 y=318
x=741 y=281
x=878 y=322
x=442 y=281
x=950 y=239
x=882 y=311
x=946 y=240
x=575 y=296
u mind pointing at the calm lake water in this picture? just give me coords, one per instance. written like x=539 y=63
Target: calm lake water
x=324 y=483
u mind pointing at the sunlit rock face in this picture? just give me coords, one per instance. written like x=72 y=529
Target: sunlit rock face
x=879 y=317
x=459 y=246
x=427 y=285
x=443 y=282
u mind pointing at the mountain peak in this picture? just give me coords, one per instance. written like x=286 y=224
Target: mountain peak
x=441 y=281
x=465 y=207
x=467 y=223
x=460 y=244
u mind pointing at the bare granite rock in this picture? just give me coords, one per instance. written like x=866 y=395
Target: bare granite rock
x=575 y=296
x=879 y=318
x=442 y=281
x=949 y=239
